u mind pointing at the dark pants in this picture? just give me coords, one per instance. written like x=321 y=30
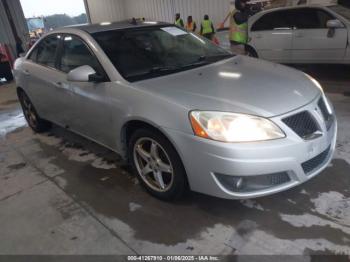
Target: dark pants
x=5 y=71
x=209 y=36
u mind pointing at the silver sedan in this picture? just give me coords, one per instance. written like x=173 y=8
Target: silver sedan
x=185 y=113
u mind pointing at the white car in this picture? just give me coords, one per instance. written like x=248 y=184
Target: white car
x=303 y=34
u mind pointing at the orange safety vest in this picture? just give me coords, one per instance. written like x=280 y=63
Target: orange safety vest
x=190 y=26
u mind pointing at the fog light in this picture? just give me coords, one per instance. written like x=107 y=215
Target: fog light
x=238 y=182
x=256 y=183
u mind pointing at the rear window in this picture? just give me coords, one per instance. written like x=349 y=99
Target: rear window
x=273 y=21
x=45 y=52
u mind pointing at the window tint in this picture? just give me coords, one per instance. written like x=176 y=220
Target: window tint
x=75 y=53
x=46 y=51
x=272 y=21
x=151 y=52
x=310 y=18
x=33 y=55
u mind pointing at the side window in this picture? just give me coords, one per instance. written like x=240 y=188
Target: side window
x=75 y=53
x=324 y=17
x=33 y=55
x=46 y=51
x=310 y=18
x=273 y=21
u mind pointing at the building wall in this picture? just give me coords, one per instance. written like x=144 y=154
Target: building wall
x=6 y=34
x=105 y=10
x=161 y=10
x=165 y=10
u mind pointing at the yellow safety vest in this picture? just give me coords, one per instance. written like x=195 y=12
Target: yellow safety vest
x=238 y=33
x=178 y=22
x=207 y=27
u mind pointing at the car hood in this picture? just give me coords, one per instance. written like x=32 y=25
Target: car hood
x=240 y=84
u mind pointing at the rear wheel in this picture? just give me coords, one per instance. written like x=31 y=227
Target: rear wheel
x=38 y=124
x=157 y=165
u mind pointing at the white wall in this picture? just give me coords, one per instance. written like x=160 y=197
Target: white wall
x=165 y=10
x=160 y=10
x=106 y=10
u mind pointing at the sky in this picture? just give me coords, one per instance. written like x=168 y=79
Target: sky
x=32 y=8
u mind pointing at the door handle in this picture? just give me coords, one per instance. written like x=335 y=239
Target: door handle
x=258 y=36
x=299 y=35
x=26 y=73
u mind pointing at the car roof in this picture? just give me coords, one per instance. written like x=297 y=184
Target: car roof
x=292 y=8
x=108 y=26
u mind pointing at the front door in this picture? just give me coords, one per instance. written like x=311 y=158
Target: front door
x=90 y=114
x=313 y=42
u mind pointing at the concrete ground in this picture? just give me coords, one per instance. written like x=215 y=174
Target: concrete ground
x=61 y=194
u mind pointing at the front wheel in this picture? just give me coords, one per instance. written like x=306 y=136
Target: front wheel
x=36 y=123
x=157 y=165
x=251 y=52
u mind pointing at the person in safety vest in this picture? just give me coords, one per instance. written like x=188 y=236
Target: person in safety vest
x=238 y=34
x=207 y=28
x=239 y=27
x=191 y=25
x=178 y=20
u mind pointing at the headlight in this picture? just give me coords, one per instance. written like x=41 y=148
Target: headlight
x=232 y=127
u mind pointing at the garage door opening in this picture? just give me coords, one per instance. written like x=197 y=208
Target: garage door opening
x=42 y=17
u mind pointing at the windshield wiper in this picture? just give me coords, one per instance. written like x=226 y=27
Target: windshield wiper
x=215 y=57
x=159 y=69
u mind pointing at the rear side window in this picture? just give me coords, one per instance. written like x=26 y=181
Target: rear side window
x=311 y=18
x=46 y=51
x=273 y=21
x=75 y=54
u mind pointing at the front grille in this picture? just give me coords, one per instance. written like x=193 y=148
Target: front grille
x=314 y=163
x=328 y=118
x=304 y=124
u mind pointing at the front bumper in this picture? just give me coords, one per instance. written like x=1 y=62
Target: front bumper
x=206 y=161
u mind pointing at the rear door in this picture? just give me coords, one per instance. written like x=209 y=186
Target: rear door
x=43 y=79
x=272 y=35
x=312 y=42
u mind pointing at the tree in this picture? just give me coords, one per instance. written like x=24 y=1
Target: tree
x=59 y=20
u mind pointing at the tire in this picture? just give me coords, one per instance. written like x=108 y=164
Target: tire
x=8 y=76
x=34 y=121
x=164 y=158
x=251 y=52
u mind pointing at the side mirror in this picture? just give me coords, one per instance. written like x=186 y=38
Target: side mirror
x=81 y=74
x=333 y=24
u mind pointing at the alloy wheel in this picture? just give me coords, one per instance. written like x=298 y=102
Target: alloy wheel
x=153 y=164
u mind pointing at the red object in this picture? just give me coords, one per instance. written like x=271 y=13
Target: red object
x=216 y=40
x=5 y=54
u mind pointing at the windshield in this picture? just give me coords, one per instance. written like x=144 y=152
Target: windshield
x=343 y=11
x=144 y=53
